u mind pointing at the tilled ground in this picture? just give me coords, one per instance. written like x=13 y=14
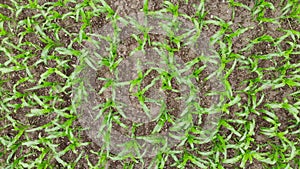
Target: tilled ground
x=69 y=35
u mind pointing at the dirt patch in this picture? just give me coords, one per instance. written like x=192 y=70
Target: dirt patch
x=68 y=35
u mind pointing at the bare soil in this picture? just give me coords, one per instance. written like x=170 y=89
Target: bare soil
x=124 y=7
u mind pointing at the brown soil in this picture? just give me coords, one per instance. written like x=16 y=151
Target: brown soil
x=214 y=8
